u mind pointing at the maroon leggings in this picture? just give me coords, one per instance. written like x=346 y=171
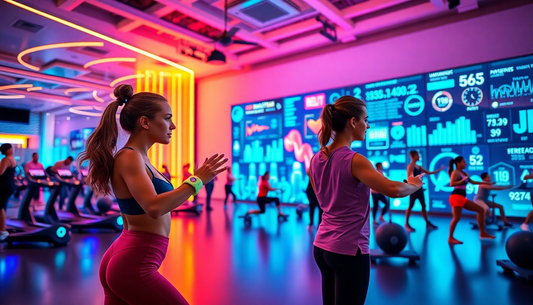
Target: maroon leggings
x=128 y=271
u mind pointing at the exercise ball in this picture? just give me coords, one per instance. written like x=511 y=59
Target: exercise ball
x=519 y=248
x=104 y=205
x=391 y=238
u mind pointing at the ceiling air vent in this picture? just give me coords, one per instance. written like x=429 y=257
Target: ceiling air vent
x=262 y=13
x=27 y=26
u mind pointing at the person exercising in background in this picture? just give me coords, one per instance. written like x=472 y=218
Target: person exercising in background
x=208 y=192
x=377 y=197
x=263 y=199
x=166 y=172
x=229 y=187
x=414 y=170
x=34 y=164
x=459 y=179
x=186 y=175
x=7 y=184
x=482 y=198
x=313 y=203
x=529 y=217
x=64 y=164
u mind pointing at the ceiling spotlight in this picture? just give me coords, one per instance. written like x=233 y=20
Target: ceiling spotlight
x=216 y=58
x=68 y=118
x=453 y=4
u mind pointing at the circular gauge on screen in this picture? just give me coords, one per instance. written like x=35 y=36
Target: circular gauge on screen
x=472 y=96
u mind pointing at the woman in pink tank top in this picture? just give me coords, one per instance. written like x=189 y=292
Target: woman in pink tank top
x=342 y=180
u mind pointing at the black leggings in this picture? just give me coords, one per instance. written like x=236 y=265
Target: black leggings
x=228 y=189
x=5 y=194
x=262 y=201
x=417 y=195
x=376 y=198
x=313 y=203
x=344 y=277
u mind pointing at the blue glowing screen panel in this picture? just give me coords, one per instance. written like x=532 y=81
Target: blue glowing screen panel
x=482 y=112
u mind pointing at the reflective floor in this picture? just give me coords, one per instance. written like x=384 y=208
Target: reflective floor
x=215 y=259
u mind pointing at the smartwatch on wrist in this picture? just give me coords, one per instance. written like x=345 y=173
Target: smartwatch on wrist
x=196 y=183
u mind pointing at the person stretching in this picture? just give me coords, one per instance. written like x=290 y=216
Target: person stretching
x=414 y=170
x=482 y=198
x=459 y=179
x=263 y=199
x=129 y=268
x=342 y=180
x=377 y=197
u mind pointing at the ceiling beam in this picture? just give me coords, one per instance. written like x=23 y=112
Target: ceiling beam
x=131 y=13
x=390 y=20
x=368 y=7
x=440 y=4
x=68 y=5
x=467 y=5
x=215 y=22
x=19 y=73
x=158 y=10
x=331 y=13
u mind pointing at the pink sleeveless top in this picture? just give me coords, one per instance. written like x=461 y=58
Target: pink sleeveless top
x=345 y=200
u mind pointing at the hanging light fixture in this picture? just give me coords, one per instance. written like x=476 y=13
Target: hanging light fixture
x=216 y=58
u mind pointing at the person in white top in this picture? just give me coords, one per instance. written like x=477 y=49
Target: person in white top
x=228 y=187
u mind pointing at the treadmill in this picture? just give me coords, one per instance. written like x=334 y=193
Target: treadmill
x=72 y=216
x=25 y=228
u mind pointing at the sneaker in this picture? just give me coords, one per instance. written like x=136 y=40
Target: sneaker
x=208 y=208
x=429 y=225
x=508 y=225
x=524 y=227
x=408 y=228
x=4 y=235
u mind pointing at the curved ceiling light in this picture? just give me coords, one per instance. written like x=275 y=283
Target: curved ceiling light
x=11 y=96
x=124 y=78
x=55 y=46
x=21 y=86
x=107 y=60
x=34 y=89
x=97 y=98
x=69 y=91
x=103 y=37
x=86 y=110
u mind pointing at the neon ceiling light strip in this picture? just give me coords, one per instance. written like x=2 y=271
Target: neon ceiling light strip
x=108 y=60
x=102 y=36
x=34 y=89
x=69 y=91
x=84 y=110
x=55 y=46
x=125 y=78
x=97 y=98
x=22 y=86
x=12 y=96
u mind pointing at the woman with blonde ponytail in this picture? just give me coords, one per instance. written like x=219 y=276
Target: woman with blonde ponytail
x=342 y=180
x=129 y=269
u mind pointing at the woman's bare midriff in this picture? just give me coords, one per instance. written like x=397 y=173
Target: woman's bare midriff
x=145 y=223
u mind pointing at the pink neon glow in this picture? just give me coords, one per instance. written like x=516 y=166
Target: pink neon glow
x=315 y=101
x=315 y=126
x=302 y=151
x=250 y=130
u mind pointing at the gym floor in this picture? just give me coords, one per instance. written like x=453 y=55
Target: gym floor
x=215 y=259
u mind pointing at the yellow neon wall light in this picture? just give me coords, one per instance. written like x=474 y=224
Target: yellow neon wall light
x=14 y=139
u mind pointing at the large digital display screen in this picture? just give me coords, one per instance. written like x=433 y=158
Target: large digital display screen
x=483 y=112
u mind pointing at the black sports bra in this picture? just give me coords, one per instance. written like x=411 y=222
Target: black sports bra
x=130 y=206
